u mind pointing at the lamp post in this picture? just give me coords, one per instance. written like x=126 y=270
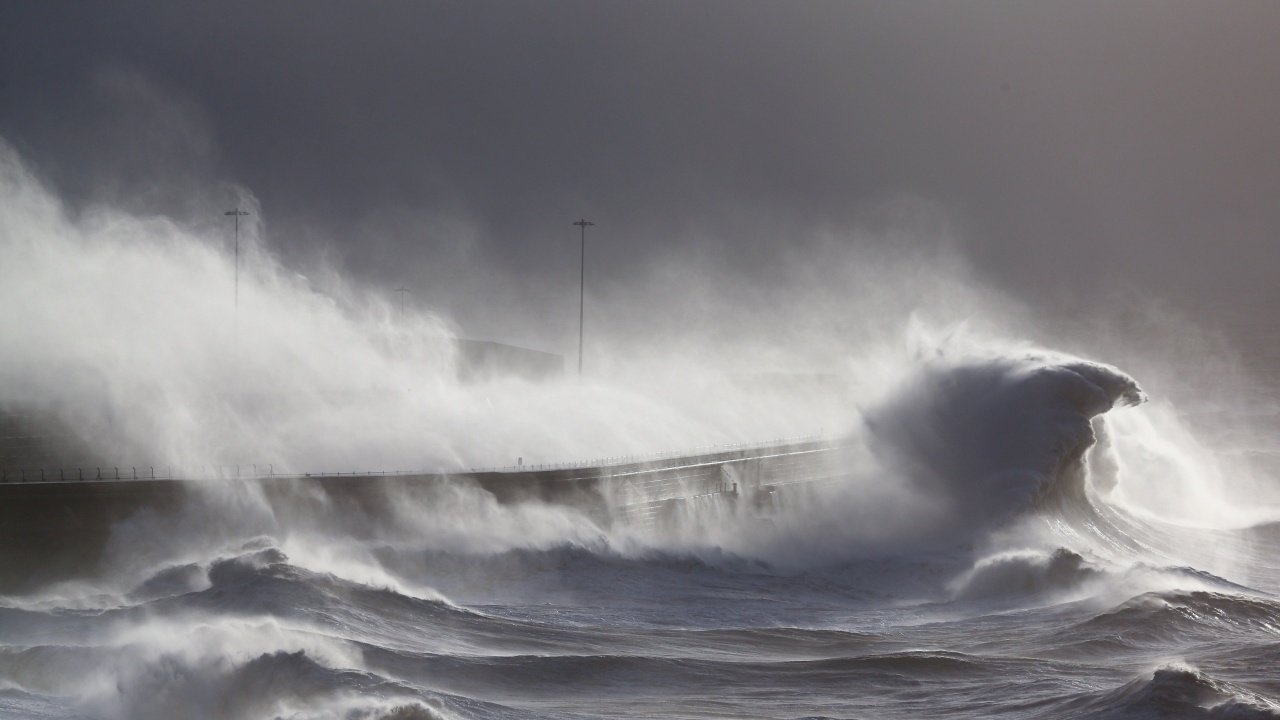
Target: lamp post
x=402 y=290
x=582 y=284
x=236 y=320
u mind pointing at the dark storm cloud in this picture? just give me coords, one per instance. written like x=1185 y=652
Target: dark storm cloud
x=1077 y=145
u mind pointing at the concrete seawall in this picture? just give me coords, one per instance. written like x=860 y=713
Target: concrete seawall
x=56 y=530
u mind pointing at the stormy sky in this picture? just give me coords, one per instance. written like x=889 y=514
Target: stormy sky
x=1068 y=151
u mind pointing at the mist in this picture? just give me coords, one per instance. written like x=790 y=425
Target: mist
x=146 y=353
x=881 y=337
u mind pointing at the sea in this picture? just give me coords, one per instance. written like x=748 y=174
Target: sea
x=985 y=551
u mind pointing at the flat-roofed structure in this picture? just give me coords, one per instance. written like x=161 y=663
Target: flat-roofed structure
x=481 y=360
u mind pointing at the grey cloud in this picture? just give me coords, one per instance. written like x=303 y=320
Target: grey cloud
x=1078 y=146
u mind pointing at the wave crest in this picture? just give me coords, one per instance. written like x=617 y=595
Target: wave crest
x=992 y=436
x=1184 y=692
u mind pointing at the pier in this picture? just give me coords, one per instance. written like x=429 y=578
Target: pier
x=54 y=524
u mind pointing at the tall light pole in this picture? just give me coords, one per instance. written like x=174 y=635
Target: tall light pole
x=582 y=284
x=402 y=290
x=236 y=320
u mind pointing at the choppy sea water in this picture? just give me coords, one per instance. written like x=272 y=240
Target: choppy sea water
x=1012 y=537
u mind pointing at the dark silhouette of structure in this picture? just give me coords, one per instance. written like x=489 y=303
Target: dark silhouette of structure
x=582 y=284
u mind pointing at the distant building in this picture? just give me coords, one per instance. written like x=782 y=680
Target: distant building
x=480 y=360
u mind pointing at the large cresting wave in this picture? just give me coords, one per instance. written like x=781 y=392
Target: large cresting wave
x=989 y=437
